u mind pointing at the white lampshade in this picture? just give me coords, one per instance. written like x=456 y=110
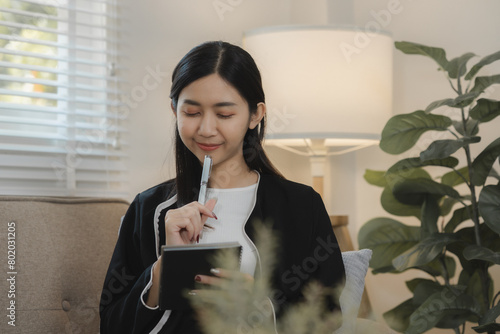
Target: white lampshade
x=324 y=82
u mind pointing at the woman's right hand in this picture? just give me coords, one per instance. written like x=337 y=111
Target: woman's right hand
x=184 y=225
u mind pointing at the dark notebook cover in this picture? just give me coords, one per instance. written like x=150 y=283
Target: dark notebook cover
x=180 y=264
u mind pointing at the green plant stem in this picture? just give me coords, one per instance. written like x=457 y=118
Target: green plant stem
x=451 y=84
x=444 y=270
x=472 y=188
x=475 y=213
x=483 y=272
x=495 y=299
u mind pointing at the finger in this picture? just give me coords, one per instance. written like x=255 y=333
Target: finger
x=232 y=274
x=210 y=204
x=210 y=280
x=206 y=210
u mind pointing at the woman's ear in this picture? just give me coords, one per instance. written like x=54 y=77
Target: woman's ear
x=173 y=108
x=258 y=115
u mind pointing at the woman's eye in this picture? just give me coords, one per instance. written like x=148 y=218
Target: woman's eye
x=225 y=116
x=191 y=113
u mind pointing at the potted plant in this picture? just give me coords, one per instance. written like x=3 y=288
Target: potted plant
x=458 y=210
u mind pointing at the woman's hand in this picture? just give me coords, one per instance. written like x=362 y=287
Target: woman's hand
x=184 y=225
x=223 y=284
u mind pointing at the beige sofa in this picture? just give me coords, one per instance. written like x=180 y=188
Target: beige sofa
x=62 y=250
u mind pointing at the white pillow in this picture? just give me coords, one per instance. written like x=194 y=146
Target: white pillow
x=356 y=265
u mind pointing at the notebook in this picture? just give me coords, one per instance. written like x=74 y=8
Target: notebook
x=180 y=264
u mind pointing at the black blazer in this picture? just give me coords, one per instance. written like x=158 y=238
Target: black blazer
x=308 y=250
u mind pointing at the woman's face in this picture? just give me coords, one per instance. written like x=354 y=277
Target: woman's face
x=212 y=118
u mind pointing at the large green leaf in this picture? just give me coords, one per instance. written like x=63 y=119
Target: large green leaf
x=484 y=162
x=399 y=317
x=413 y=283
x=440 y=305
x=474 y=286
x=459 y=216
x=489 y=206
x=430 y=216
x=469 y=129
x=424 y=289
x=438 y=54
x=488 y=328
x=402 y=131
x=456 y=178
x=441 y=149
x=414 y=191
x=487 y=322
x=467 y=236
x=457 y=66
x=494 y=173
x=481 y=83
x=395 y=207
x=435 y=267
x=458 y=102
x=446 y=204
x=390 y=203
x=387 y=238
x=393 y=176
x=424 y=252
x=405 y=166
x=375 y=178
x=483 y=62
x=475 y=252
x=485 y=110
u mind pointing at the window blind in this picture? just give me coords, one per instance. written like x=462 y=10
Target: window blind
x=62 y=122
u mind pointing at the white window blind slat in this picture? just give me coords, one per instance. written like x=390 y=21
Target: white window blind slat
x=34 y=149
x=72 y=8
x=5 y=107
x=62 y=119
x=52 y=96
x=62 y=45
x=54 y=83
x=36 y=15
x=60 y=164
x=47 y=56
x=54 y=31
x=38 y=68
x=60 y=124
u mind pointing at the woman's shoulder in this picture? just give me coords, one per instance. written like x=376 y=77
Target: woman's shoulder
x=158 y=193
x=276 y=184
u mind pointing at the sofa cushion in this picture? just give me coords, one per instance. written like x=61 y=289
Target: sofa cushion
x=62 y=247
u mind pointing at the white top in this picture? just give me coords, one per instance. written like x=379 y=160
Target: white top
x=233 y=209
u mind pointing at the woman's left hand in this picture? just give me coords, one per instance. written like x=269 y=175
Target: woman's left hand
x=223 y=284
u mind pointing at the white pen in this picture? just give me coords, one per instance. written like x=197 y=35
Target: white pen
x=205 y=175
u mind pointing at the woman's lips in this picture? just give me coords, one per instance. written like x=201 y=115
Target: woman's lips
x=208 y=147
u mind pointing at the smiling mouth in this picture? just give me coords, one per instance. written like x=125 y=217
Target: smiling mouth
x=208 y=147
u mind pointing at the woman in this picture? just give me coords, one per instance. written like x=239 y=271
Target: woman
x=219 y=105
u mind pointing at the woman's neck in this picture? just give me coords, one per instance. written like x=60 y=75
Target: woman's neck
x=232 y=176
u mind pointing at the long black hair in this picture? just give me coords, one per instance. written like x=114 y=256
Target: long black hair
x=237 y=67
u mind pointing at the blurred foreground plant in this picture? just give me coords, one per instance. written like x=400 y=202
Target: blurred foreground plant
x=236 y=310
x=443 y=300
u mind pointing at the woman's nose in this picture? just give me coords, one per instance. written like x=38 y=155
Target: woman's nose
x=208 y=126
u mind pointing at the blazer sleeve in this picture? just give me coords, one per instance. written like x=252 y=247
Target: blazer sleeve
x=122 y=307
x=324 y=245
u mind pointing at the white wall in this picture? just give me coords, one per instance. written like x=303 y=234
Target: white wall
x=164 y=31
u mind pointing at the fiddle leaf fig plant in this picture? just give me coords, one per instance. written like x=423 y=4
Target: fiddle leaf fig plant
x=453 y=194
